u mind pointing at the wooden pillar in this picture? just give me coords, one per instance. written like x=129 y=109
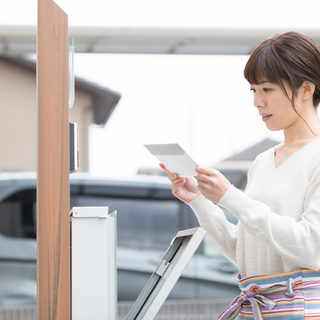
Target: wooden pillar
x=53 y=195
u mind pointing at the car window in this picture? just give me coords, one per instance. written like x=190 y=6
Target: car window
x=141 y=223
x=18 y=215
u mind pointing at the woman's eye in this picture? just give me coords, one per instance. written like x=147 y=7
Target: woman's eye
x=253 y=90
x=266 y=89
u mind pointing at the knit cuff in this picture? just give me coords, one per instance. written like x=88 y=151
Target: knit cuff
x=203 y=208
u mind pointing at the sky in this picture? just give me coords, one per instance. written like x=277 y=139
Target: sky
x=194 y=13
x=201 y=102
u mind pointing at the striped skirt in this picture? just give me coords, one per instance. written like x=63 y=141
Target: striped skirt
x=294 y=295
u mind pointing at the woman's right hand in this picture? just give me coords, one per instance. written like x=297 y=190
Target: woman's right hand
x=183 y=187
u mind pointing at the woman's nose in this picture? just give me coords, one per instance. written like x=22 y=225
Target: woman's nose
x=258 y=101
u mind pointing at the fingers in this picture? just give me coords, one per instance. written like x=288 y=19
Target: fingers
x=176 y=179
x=206 y=175
x=204 y=187
x=164 y=168
x=201 y=178
x=212 y=184
x=206 y=171
x=208 y=178
x=172 y=176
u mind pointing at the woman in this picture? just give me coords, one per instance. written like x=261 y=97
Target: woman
x=276 y=244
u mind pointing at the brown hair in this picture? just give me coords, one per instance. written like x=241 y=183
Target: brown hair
x=291 y=57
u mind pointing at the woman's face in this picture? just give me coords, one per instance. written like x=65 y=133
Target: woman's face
x=274 y=106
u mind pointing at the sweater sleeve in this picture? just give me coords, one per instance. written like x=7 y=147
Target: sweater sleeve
x=220 y=231
x=297 y=241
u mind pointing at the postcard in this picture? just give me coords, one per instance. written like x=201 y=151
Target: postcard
x=174 y=158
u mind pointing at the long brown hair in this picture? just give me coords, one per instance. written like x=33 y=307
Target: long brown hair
x=289 y=57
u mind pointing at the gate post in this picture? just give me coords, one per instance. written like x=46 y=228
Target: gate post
x=53 y=190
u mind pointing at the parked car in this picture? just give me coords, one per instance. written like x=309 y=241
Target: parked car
x=149 y=217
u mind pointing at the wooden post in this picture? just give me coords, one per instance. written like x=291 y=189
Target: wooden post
x=53 y=190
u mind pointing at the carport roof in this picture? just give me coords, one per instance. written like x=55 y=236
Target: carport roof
x=17 y=39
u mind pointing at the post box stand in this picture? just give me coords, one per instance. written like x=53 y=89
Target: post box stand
x=94 y=270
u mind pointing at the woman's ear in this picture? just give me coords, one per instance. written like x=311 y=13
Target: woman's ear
x=307 y=90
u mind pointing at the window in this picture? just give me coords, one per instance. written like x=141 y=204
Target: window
x=141 y=223
x=18 y=215
x=147 y=218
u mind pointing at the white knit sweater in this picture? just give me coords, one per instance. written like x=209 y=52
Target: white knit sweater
x=279 y=215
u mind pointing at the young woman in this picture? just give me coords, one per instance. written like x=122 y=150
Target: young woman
x=276 y=244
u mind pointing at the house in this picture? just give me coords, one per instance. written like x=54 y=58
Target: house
x=18 y=113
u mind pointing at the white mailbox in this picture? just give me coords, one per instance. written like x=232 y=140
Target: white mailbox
x=94 y=271
x=93 y=263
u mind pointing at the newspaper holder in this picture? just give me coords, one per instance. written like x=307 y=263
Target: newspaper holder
x=166 y=274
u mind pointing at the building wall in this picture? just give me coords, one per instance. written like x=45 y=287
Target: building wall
x=18 y=119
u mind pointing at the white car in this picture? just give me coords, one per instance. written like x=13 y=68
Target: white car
x=149 y=216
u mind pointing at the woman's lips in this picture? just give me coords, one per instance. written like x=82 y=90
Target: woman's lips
x=266 y=117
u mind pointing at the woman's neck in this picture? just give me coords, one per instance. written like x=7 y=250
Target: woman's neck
x=307 y=130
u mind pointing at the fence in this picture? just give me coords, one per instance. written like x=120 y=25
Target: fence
x=171 y=310
x=183 y=310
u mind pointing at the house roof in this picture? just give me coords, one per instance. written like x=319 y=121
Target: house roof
x=235 y=167
x=104 y=99
x=251 y=153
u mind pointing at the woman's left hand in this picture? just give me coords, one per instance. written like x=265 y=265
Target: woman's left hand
x=212 y=183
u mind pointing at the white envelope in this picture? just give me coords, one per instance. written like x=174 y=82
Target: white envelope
x=174 y=158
